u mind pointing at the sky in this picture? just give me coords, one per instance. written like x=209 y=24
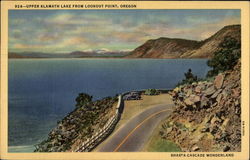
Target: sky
x=64 y=31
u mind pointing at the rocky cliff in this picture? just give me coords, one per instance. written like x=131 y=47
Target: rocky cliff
x=207 y=116
x=181 y=48
x=78 y=126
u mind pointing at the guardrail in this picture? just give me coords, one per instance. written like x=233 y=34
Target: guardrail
x=143 y=90
x=104 y=132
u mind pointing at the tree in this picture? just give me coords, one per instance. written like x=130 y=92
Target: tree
x=83 y=99
x=189 y=78
x=189 y=74
x=226 y=58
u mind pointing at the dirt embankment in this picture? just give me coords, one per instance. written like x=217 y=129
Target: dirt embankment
x=207 y=116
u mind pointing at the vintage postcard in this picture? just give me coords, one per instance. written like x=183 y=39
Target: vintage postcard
x=124 y=80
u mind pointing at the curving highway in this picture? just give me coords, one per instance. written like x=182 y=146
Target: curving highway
x=132 y=136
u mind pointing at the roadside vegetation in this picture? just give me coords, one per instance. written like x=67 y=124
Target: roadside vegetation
x=157 y=144
x=162 y=145
x=189 y=78
x=152 y=92
x=83 y=100
x=226 y=58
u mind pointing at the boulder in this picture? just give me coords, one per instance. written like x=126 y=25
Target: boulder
x=236 y=103
x=206 y=129
x=198 y=89
x=188 y=101
x=237 y=110
x=195 y=98
x=224 y=124
x=189 y=92
x=214 y=104
x=229 y=85
x=192 y=130
x=195 y=148
x=216 y=93
x=214 y=130
x=213 y=120
x=192 y=99
x=218 y=82
x=181 y=95
x=226 y=148
x=204 y=101
x=169 y=130
x=236 y=93
x=218 y=98
x=209 y=91
x=174 y=94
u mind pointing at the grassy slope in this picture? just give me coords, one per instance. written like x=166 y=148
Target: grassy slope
x=157 y=144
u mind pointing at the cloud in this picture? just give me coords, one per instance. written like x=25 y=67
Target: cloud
x=27 y=46
x=48 y=37
x=60 y=31
x=18 y=21
x=61 y=19
x=200 y=31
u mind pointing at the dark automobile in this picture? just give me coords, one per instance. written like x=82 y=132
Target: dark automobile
x=132 y=96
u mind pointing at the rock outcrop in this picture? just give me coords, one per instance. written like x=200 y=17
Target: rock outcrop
x=181 y=48
x=207 y=116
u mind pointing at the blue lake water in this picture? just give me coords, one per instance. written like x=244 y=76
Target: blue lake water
x=42 y=91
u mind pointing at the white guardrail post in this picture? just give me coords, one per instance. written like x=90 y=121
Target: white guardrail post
x=100 y=135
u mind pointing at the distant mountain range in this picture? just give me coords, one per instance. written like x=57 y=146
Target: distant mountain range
x=76 y=54
x=182 y=48
x=156 y=48
x=99 y=53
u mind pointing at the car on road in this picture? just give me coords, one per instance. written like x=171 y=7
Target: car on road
x=132 y=96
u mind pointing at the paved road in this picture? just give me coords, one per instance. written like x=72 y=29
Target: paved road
x=136 y=132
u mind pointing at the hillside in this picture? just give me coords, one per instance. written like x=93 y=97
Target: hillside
x=78 y=126
x=207 y=116
x=164 y=48
x=181 y=48
x=15 y=55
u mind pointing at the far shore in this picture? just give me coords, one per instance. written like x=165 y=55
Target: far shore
x=100 y=58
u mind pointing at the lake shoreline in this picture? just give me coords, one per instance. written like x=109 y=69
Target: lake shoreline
x=87 y=58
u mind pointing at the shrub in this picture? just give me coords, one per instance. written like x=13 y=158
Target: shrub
x=189 y=78
x=83 y=99
x=151 y=92
x=226 y=58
